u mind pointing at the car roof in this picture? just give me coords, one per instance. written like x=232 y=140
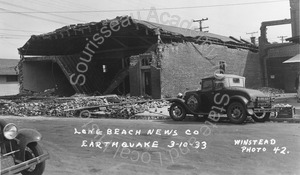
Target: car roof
x=222 y=76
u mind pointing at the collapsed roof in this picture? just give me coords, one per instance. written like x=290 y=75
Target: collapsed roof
x=126 y=32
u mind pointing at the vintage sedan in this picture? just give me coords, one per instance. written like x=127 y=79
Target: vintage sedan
x=222 y=94
x=20 y=150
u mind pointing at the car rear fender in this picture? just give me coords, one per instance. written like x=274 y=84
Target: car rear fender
x=25 y=137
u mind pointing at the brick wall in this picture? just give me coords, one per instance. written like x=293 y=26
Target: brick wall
x=184 y=64
x=280 y=75
x=287 y=50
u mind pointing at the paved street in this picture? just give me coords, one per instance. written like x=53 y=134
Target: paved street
x=188 y=147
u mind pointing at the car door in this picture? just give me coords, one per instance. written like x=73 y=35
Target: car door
x=207 y=95
x=219 y=98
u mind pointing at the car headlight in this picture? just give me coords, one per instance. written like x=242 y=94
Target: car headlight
x=179 y=95
x=10 y=131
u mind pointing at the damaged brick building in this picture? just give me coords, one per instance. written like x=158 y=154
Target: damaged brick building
x=276 y=74
x=125 y=55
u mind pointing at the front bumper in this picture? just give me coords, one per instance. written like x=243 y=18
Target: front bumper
x=24 y=165
x=262 y=110
x=251 y=111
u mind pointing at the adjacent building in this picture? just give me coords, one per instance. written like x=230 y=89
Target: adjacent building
x=8 y=77
x=276 y=74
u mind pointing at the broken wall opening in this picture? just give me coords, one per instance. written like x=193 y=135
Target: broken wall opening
x=144 y=75
x=39 y=76
x=114 y=69
x=106 y=72
x=110 y=70
x=278 y=34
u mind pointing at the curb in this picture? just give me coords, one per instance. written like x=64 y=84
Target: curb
x=147 y=117
x=289 y=120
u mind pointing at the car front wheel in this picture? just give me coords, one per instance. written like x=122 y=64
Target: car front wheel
x=236 y=113
x=177 y=112
x=31 y=151
x=261 y=117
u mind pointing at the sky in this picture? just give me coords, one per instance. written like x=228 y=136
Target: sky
x=19 y=19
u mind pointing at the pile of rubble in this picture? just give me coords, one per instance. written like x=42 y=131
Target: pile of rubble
x=79 y=106
x=271 y=91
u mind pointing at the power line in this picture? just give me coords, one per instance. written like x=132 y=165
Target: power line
x=19 y=30
x=251 y=33
x=167 y=8
x=62 y=6
x=14 y=5
x=12 y=37
x=20 y=13
x=12 y=34
x=8 y=58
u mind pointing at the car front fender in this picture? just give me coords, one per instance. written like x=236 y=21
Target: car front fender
x=177 y=100
x=25 y=137
x=181 y=102
x=240 y=99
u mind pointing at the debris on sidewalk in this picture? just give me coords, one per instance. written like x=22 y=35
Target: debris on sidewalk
x=271 y=91
x=112 y=106
x=285 y=111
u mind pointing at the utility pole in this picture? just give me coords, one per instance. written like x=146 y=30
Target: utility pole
x=251 y=33
x=200 y=24
x=252 y=38
x=281 y=37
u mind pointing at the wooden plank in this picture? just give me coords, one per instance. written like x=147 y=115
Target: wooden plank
x=135 y=79
x=155 y=83
x=66 y=74
x=117 y=81
x=49 y=58
x=88 y=97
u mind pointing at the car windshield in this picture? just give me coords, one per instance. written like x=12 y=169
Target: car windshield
x=207 y=85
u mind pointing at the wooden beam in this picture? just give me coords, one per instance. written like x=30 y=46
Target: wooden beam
x=47 y=58
x=119 y=78
x=119 y=42
x=122 y=49
x=143 y=38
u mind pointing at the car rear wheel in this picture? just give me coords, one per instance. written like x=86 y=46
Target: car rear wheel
x=261 y=117
x=31 y=151
x=236 y=113
x=177 y=112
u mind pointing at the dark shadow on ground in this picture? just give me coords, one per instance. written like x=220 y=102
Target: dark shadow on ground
x=201 y=120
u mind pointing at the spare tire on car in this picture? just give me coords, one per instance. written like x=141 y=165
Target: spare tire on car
x=193 y=102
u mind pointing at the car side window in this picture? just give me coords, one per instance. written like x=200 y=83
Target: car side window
x=207 y=85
